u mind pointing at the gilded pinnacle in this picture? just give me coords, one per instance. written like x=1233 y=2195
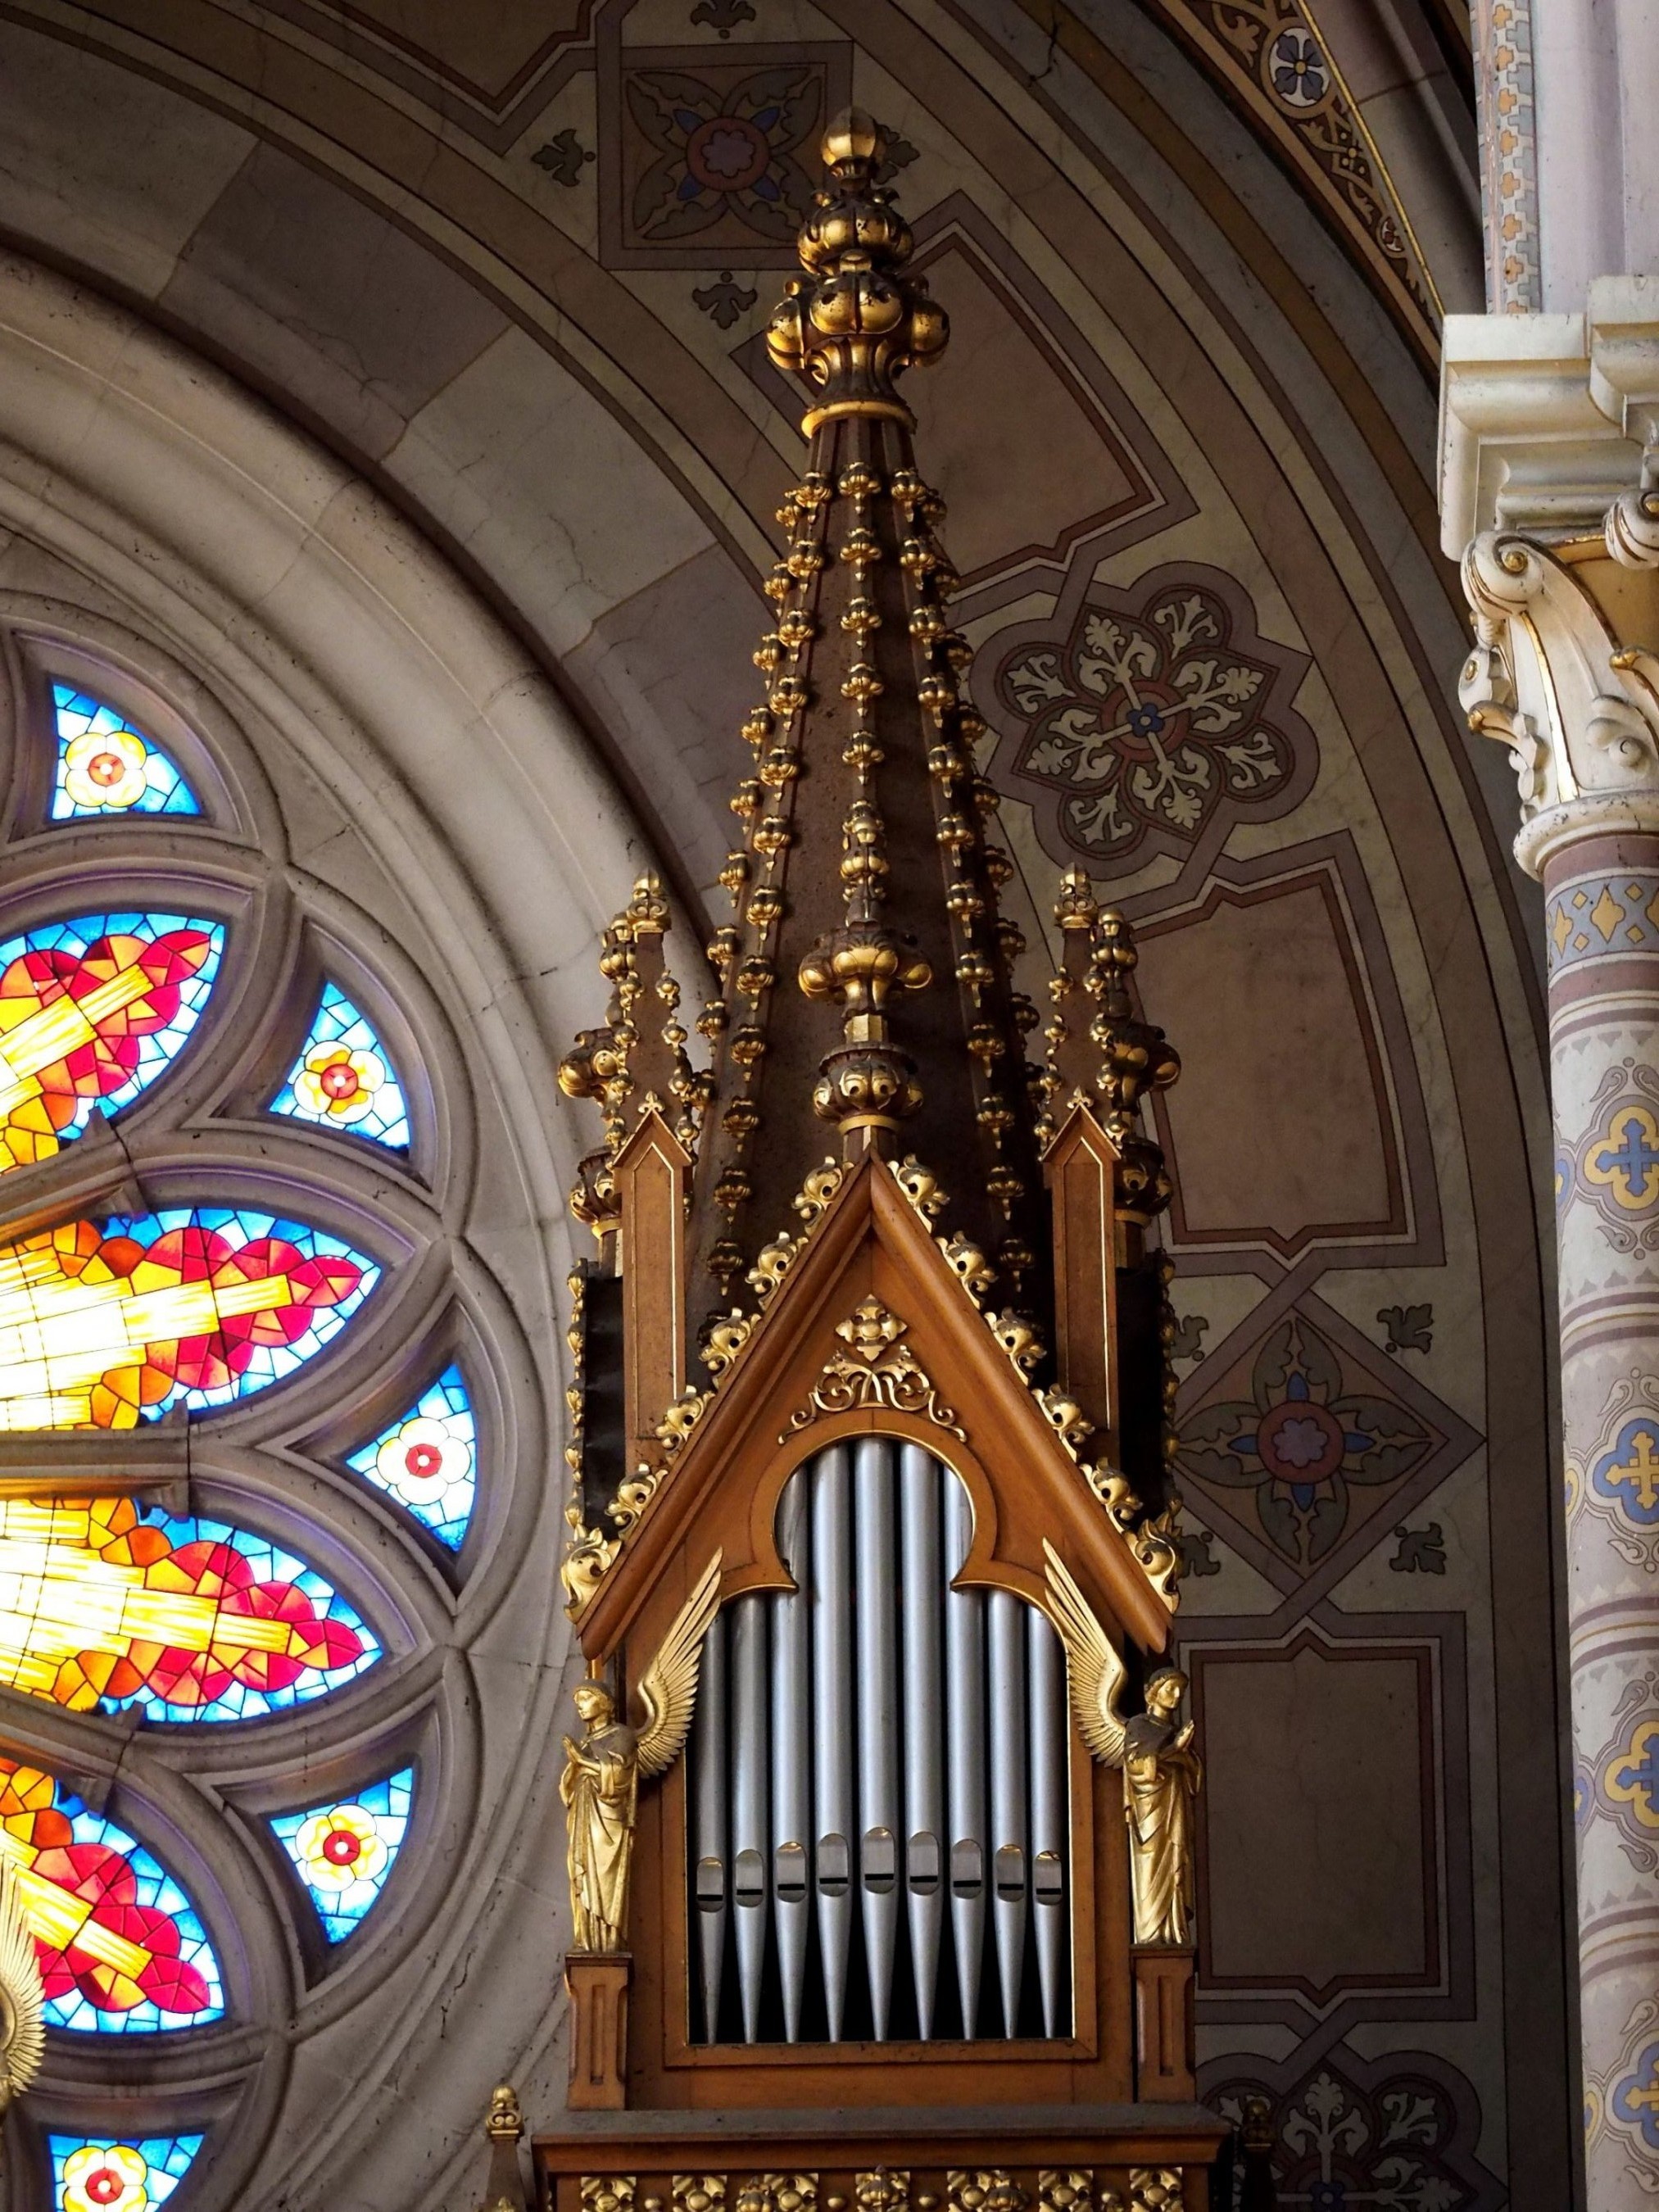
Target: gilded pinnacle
x=856 y=321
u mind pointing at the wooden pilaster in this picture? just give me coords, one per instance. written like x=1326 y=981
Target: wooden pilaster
x=652 y=1176
x=1165 y=2041
x=1080 y=1170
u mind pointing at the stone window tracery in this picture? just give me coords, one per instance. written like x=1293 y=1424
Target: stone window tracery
x=242 y=1449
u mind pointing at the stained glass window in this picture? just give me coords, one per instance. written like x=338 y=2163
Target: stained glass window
x=343 y=1077
x=101 y=2173
x=91 y=1011
x=425 y=1460
x=106 y=767
x=105 y=1604
x=163 y=1641
x=123 y=1950
x=344 y=1851
x=105 y=1322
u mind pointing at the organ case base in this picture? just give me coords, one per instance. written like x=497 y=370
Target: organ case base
x=1077 y=2158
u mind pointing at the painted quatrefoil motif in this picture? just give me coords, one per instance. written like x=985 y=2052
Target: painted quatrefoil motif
x=1149 y=721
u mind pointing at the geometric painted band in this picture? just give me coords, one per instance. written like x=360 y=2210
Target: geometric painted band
x=1601 y=916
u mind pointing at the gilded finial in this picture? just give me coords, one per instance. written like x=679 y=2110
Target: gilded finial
x=855 y=322
x=1076 y=905
x=648 y=909
x=852 y=136
x=504 y=2123
x=636 y=1061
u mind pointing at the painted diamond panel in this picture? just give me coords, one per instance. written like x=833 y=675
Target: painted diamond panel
x=344 y=1852
x=427 y=1459
x=91 y=1011
x=103 y=1324
x=99 y=2174
x=123 y=1951
x=105 y=1605
x=106 y=767
x=343 y=1077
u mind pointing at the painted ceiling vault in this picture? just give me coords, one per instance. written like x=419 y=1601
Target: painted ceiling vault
x=509 y=265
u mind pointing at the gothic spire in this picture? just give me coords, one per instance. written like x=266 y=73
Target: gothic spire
x=865 y=1000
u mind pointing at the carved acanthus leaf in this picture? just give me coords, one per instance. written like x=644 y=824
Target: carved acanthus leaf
x=1550 y=677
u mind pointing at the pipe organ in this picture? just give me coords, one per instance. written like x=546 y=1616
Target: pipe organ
x=878 y=1770
x=881 y=1803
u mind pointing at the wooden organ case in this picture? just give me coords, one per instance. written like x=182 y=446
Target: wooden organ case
x=880 y=1799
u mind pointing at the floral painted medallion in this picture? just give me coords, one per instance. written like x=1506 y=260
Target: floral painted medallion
x=1149 y=721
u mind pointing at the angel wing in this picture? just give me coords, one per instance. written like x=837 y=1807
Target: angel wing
x=22 y=1998
x=1094 y=1669
x=668 y=1688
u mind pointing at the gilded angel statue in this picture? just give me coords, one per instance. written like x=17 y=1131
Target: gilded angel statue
x=1161 y=1773
x=600 y=1784
x=22 y=1997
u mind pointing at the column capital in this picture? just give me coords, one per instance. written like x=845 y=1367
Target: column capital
x=1549 y=486
x=1558 y=673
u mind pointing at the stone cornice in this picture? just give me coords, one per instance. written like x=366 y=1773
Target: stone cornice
x=1544 y=418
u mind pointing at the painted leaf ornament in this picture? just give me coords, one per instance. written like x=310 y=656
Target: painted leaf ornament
x=91 y=1012
x=106 y=1323
x=123 y=1950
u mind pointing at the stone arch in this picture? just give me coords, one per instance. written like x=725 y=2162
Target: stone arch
x=376 y=734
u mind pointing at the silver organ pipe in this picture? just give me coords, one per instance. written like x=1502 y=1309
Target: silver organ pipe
x=1045 y=1671
x=964 y=1645
x=710 y=1870
x=877 y=1633
x=1010 y=1764
x=875 y=1731
x=748 y=1795
x=831 y=1601
x=792 y=1789
x=922 y=1614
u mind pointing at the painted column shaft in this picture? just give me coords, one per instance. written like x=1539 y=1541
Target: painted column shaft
x=1601 y=916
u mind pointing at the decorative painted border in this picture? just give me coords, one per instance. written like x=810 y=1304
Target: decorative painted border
x=1272 y=65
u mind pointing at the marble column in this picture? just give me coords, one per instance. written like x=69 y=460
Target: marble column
x=1564 y=672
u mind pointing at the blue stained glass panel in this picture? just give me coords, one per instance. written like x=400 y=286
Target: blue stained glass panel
x=343 y=1077
x=112 y=1322
x=427 y=1459
x=344 y=1851
x=106 y=767
x=114 y=2173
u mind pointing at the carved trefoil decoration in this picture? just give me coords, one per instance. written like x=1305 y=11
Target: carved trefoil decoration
x=877 y=1369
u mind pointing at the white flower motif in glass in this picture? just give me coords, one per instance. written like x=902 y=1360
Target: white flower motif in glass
x=106 y=767
x=343 y=1077
x=91 y=2173
x=343 y=1853
x=427 y=1459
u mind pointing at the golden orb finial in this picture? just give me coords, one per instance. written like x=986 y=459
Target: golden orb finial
x=852 y=136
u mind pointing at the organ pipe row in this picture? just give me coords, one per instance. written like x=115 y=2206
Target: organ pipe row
x=866 y=1747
